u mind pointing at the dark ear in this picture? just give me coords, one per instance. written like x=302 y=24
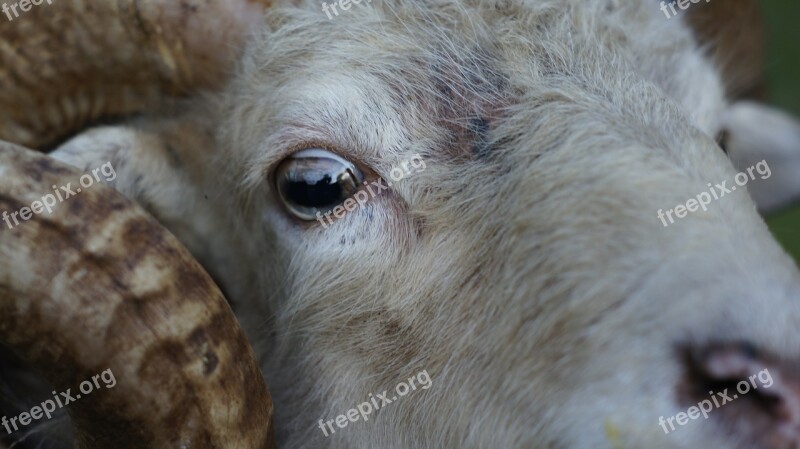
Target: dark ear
x=733 y=33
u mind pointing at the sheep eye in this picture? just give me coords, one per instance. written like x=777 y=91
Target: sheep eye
x=315 y=181
x=722 y=140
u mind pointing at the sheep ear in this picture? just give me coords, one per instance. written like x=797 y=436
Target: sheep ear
x=759 y=133
x=738 y=56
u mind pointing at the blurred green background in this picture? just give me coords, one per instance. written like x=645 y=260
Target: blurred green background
x=783 y=72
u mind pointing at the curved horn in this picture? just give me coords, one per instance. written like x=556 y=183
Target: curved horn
x=99 y=285
x=67 y=63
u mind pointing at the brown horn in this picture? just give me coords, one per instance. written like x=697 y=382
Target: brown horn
x=100 y=285
x=68 y=63
x=734 y=33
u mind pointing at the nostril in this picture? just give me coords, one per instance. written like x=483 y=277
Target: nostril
x=755 y=395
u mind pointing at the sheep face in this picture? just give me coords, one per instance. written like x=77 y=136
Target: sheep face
x=480 y=221
x=522 y=264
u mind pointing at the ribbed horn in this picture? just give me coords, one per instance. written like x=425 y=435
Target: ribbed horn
x=99 y=285
x=65 y=64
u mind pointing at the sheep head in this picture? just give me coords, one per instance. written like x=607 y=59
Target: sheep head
x=525 y=254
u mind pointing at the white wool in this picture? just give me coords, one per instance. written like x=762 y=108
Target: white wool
x=527 y=272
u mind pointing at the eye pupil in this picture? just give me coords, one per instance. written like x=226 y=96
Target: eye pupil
x=313 y=195
x=315 y=181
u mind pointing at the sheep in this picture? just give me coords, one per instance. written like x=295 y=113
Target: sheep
x=524 y=271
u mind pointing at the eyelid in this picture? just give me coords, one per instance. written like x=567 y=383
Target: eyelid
x=325 y=154
x=314 y=146
x=321 y=153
